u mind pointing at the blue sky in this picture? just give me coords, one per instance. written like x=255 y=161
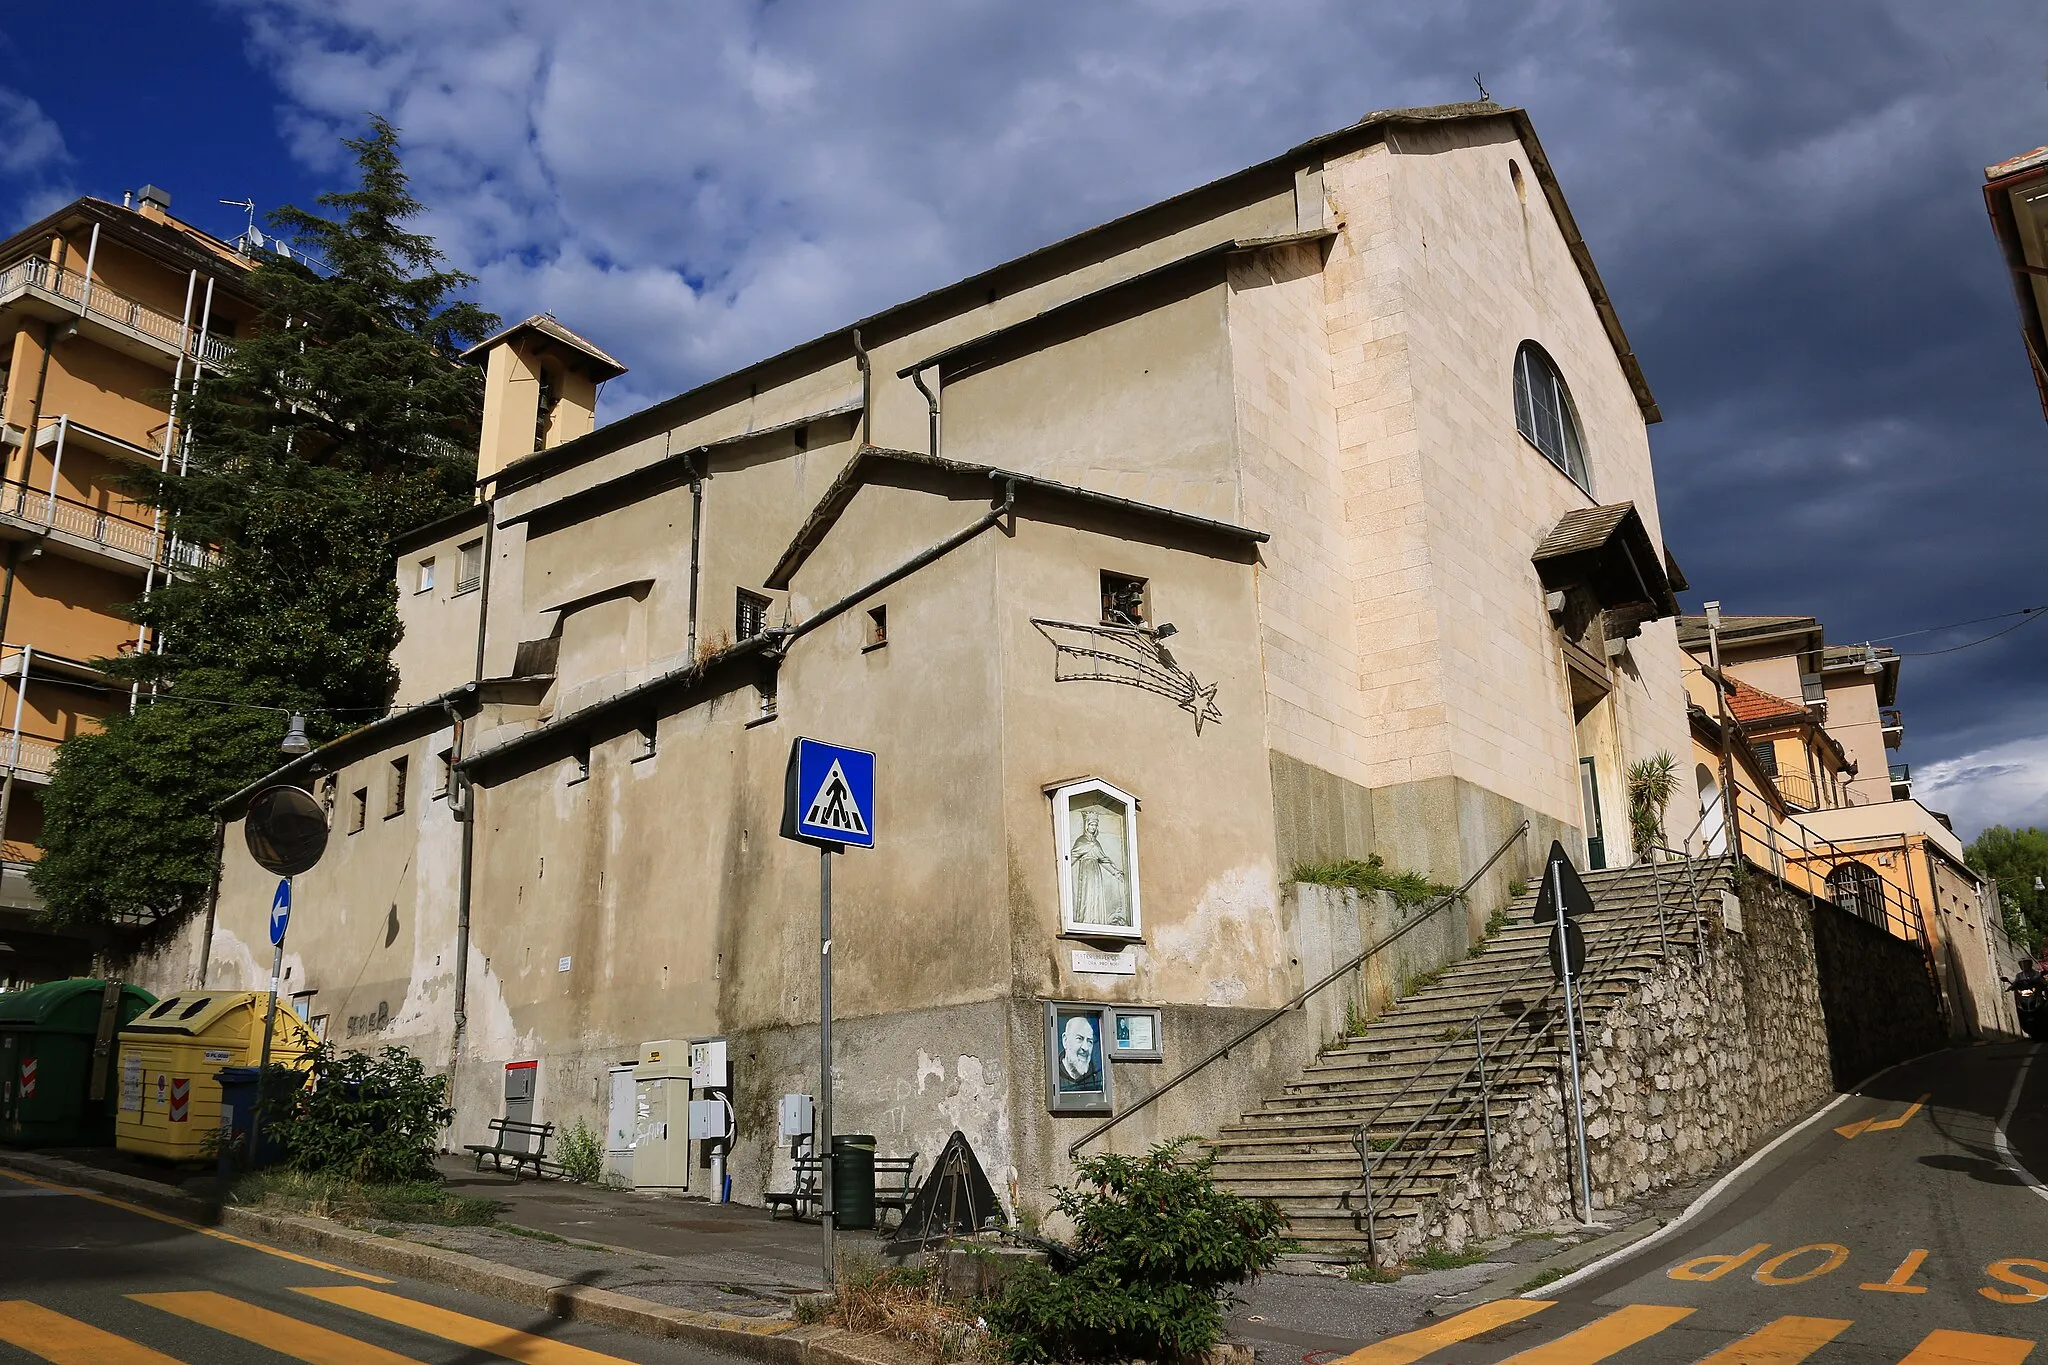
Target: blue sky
x=1784 y=201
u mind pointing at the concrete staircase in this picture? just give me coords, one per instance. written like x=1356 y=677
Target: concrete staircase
x=1411 y=1080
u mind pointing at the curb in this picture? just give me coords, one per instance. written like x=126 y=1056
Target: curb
x=1510 y=1281
x=777 y=1341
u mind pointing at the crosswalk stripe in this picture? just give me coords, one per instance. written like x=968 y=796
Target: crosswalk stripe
x=67 y=1341
x=1968 y=1348
x=1412 y=1346
x=287 y=1336
x=1622 y=1328
x=1784 y=1342
x=508 y=1342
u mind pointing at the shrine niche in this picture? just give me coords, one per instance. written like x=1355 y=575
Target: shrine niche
x=1095 y=830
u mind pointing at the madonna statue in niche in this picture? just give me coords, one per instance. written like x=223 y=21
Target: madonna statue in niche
x=1096 y=830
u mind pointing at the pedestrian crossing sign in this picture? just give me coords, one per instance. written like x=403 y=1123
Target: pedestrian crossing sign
x=830 y=795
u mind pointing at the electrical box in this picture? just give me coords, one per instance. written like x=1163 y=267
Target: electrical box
x=707 y=1121
x=520 y=1078
x=795 y=1119
x=620 y=1132
x=661 y=1140
x=707 y=1064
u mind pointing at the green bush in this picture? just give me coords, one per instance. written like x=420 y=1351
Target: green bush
x=580 y=1153
x=373 y=1117
x=1155 y=1247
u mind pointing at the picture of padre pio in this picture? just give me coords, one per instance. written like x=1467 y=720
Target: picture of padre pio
x=1077 y=1071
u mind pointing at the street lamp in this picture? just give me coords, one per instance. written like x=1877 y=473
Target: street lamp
x=295 y=741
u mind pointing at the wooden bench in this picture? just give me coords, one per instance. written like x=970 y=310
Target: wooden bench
x=895 y=1187
x=514 y=1140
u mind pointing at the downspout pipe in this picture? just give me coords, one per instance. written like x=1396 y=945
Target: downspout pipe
x=931 y=403
x=1006 y=509
x=867 y=389
x=35 y=407
x=462 y=794
x=696 y=546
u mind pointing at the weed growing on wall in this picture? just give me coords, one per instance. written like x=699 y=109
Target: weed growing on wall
x=1408 y=889
x=1156 y=1247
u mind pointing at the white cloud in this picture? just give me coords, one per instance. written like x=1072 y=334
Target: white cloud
x=33 y=160
x=2006 y=784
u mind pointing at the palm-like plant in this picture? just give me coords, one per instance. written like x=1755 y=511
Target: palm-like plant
x=1651 y=784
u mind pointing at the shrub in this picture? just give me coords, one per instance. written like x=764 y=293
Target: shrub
x=1155 y=1246
x=580 y=1153
x=373 y=1117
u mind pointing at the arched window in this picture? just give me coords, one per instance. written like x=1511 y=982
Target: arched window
x=1857 y=889
x=1544 y=413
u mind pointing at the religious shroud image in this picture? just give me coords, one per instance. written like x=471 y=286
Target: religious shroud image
x=1095 y=826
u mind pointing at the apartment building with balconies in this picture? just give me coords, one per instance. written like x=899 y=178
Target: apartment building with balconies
x=106 y=310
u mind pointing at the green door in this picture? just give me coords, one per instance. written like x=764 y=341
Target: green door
x=1596 y=841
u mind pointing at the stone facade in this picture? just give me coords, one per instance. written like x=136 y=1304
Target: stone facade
x=1695 y=1067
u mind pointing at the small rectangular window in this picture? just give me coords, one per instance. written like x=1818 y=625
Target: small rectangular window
x=1123 y=600
x=470 y=572
x=878 y=627
x=749 y=615
x=766 y=689
x=358 y=809
x=1767 y=756
x=426 y=577
x=399 y=767
x=444 y=772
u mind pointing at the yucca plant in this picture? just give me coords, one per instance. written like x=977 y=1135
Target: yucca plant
x=1652 y=782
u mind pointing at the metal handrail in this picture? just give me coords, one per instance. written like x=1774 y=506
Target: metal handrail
x=1074 y=1148
x=1369 y=1158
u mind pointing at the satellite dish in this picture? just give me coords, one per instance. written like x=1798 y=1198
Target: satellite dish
x=286 y=830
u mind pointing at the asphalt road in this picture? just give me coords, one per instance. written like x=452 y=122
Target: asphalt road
x=1895 y=1229
x=89 y=1281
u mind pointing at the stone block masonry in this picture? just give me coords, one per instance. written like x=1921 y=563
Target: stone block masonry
x=1694 y=1068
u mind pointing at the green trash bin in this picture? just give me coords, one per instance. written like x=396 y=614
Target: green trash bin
x=60 y=1077
x=853 y=1181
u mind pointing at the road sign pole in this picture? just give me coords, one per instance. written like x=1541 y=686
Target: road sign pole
x=269 y=1027
x=821 y=1142
x=1571 y=1028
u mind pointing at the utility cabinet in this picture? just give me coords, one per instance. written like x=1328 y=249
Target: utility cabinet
x=661 y=1110
x=619 y=1132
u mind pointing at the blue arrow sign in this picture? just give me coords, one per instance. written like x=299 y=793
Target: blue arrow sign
x=831 y=795
x=280 y=911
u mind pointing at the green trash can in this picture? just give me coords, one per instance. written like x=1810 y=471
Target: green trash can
x=853 y=1181
x=60 y=1080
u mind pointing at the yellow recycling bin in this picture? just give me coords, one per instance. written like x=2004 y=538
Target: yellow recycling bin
x=170 y=1097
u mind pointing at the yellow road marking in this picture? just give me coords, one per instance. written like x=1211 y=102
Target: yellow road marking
x=1618 y=1331
x=1968 y=1348
x=2008 y=1271
x=122 y=1204
x=286 y=1336
x=1411 y=1346
x=1720 y=1265
x=1850 y=1130
x=508 y=1342
x=1900 y=1280
x=67 y=1341
x=1768 y=1272
x=1784 y=1342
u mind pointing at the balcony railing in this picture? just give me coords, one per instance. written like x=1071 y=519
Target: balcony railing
x=125 y=534
x=1902 y=781
x=1894 y=727
x=39 y=272
x=1798 y=789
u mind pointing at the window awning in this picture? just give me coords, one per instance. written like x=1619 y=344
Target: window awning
x=1606 y=551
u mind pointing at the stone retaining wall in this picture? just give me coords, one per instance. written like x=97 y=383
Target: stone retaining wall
x=1692 y=1070
x=1880 y=1002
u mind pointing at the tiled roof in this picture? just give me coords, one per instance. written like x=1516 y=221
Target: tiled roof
x=1750 y=705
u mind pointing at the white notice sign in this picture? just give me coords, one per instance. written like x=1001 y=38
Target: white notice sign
x=131 y=1084
x=1122 y=963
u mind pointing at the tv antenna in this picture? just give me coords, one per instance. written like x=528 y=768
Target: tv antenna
x=252 y=236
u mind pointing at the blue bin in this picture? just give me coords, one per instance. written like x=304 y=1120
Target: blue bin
x=239 y=1089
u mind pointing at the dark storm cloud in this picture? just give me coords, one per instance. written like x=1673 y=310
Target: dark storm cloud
x=1784 y=200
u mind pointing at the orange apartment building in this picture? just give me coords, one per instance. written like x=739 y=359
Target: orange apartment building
x=1803 y=733
x=105 y=310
